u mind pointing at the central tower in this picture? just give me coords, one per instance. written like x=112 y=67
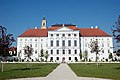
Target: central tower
x=44 y=23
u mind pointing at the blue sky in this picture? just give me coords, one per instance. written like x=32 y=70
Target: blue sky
x=20 y=15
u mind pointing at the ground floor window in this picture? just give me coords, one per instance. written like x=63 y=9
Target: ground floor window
x=51 y=58
x=69 y=58
x=57 y=58
x=76 y=59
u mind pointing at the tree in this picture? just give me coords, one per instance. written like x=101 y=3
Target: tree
x=110 y=56
x=46 y=55
x=116 y=30
x=41 y=54
x=85 y=55
x=28 y=51
x=6 y=41
x=118 y=52
x=95 y=48
x=80 y=56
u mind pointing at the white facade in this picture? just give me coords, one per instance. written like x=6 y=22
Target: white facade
x=105 y=46
x=63 y=43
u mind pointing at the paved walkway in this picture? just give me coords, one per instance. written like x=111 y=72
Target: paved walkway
x=62 y=72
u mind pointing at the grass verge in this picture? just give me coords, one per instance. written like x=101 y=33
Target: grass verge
x=24 y=70
x=105 y=70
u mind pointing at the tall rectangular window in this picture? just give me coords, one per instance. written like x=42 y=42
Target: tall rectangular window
x=51 y=51
x=57 y=43
x=63 y=42
x=63 y=51
x=51 y=42
x=69 y=42
x=57 y=51
x=75 y=51
x=69 y=51
x=75 y=43
x=57 y=58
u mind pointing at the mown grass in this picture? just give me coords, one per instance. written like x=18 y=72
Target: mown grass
x=105 y=70
x=24 y=70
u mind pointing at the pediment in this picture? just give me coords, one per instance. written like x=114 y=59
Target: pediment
x=63 y=29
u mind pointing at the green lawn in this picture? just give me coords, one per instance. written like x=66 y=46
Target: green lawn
x=23 y=70
x=105 y=70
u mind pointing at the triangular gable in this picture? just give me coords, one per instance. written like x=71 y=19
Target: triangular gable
x=63 y=28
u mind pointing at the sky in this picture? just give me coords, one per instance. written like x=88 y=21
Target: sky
x=19 y=15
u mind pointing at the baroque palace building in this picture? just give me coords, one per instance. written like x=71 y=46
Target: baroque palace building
x=64 y=42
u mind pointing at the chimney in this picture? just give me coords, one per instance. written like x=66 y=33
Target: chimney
x=35 y=27
x=91 y=27
x=96 y=26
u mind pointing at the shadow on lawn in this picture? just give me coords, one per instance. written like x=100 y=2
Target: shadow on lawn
x=118 y=68
x=24 y=69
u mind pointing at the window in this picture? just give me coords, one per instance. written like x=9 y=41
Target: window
x=69 y=58
x=85 y=44
x=63 y=51
x=35 y=45
x=63 y=35
x=75 y=51
x=30 y=39
x=51 y=42
x=57 y=58
x=76 y=59
x=69 y=42
x=102 y=44
x=57 y=43
x=63 y=42
x=57 y=51
x=108 y=44
x=69 y=51
x=108 y=51
x=51 y=58
x=51 y=51
x=25 y=39
x=51 y=35
x=35 y=39
x=75 y=34
x=102 y=51
x=69 y=34
x=35 y=51
x=41 y=39
x=57 y=34
x=75 y=43
x=20 y=39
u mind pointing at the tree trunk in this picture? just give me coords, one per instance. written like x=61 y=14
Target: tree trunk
x=2 y=69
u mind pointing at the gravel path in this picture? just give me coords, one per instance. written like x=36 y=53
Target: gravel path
x=62 y=72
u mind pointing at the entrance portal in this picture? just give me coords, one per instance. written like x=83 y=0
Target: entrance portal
x=63 y=60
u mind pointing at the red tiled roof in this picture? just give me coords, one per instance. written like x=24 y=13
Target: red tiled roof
x=12 y=48
x=88 y=32
x=35 y=33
